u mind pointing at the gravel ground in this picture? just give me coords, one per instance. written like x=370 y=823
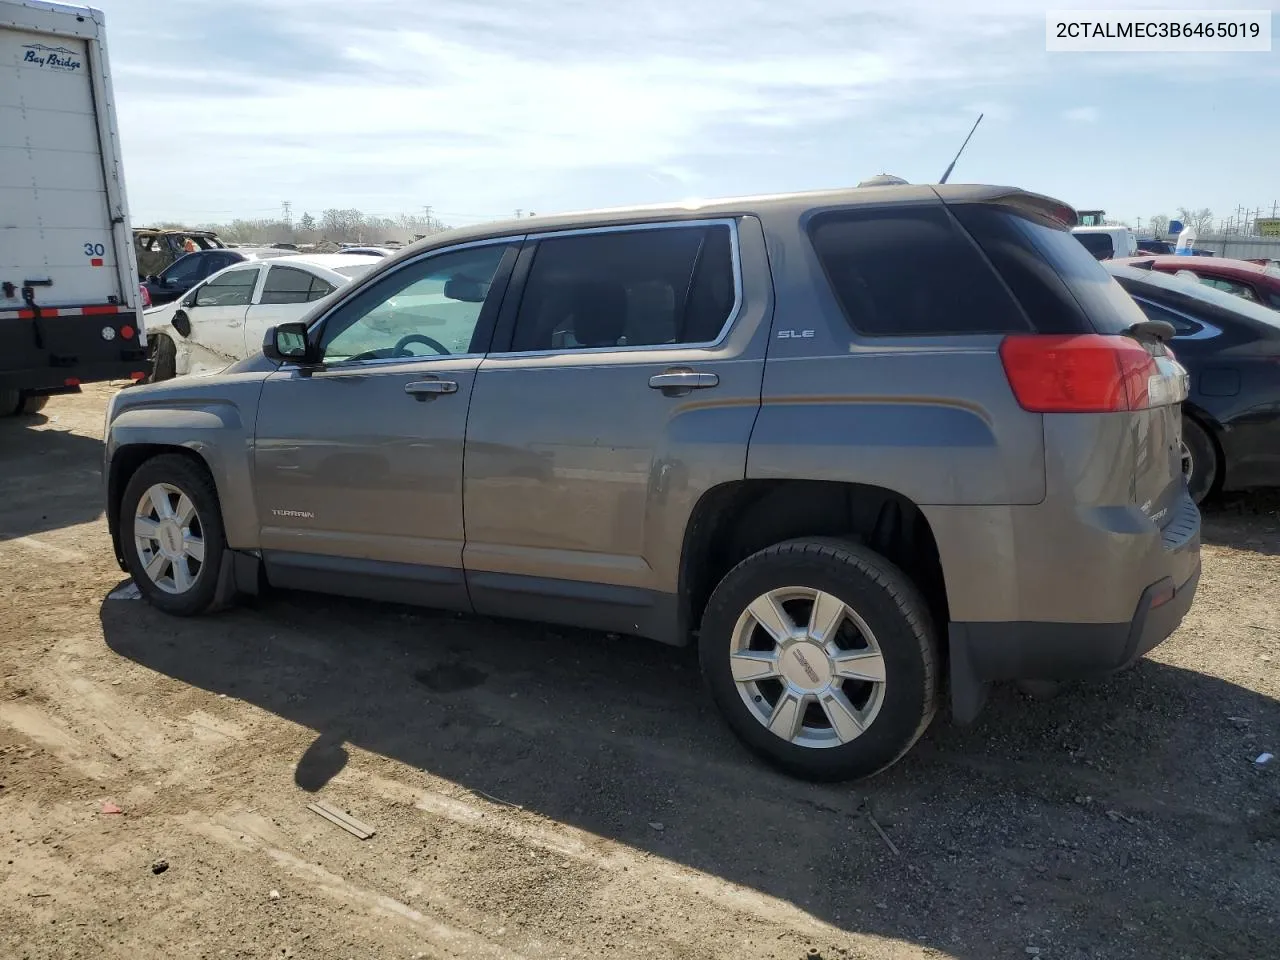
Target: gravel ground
x=539 y=792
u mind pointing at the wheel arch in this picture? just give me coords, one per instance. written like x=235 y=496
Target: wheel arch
x=125 y=462
x=733 y=520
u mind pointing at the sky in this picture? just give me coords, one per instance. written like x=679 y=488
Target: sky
x=481 y=107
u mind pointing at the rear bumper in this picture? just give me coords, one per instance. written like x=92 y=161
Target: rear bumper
x=982 y=653
x=56 y=379
x=68 y=346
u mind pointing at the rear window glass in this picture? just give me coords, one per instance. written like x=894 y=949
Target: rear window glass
x=910 y=271
x=1060 y=285
x=1099 y=244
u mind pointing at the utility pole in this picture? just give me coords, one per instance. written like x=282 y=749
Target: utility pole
x=287 y=206
x=519 y=210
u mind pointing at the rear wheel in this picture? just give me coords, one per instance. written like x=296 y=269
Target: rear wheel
x=171 y=534
x=32 y=403
x=9 y=401
x=822 y=657
x=1200 y=462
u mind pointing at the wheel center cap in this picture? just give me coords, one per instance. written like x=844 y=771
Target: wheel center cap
x=805 y=665
x=170 y=537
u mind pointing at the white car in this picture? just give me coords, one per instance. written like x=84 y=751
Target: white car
x=224 y=318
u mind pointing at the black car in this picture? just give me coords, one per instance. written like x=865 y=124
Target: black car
x=1231 y=348
x=185 y=272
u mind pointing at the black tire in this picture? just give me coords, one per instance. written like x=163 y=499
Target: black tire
x=1205 y=473
x=164 y=359
x=893 y=609
x=193 y=480
x=10 y=400
x=32 y=403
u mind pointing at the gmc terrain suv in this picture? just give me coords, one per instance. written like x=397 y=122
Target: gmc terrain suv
x=856 y=445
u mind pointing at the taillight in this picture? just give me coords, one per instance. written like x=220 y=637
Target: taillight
x=1089 y=373
x=146 y=296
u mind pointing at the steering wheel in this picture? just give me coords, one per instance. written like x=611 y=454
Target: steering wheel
x=399 y=351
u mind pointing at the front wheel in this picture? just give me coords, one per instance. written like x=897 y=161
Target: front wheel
x=821 y=655
x=171 y=534
x=164 y=359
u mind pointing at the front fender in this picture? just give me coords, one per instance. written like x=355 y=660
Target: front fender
x=211 y=417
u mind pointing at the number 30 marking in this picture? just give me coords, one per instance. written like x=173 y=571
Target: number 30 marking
x=94 y=250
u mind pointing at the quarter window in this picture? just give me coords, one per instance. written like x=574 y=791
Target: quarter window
x=910 y=271
x=290 y=285
x=627 y=288
x=231 y=289
x=1181 y=325
x=429 y=308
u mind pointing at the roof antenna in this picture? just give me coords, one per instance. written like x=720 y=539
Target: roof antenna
x=951 y=166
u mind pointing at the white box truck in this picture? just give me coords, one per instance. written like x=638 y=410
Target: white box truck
x=69 y=299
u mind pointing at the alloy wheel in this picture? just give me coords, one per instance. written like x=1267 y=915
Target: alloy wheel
x=807 y=666
x=169 y=538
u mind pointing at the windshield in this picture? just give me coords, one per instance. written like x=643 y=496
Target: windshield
x=1195 y=290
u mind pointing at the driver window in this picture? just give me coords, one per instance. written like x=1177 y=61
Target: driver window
x=428 y=309
x=184 y=269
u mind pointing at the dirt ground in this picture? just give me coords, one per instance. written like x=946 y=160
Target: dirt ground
x=543 y=793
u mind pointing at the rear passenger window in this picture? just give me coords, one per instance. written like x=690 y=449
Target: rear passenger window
x=910 y=271
x=628 y=288
x=1231 y=286
x=286 y=285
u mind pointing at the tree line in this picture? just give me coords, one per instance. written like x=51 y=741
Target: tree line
x=333 y=225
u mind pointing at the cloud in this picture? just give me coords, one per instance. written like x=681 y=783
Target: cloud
x=493 y=103
x=1081 y=115
x=480 y=106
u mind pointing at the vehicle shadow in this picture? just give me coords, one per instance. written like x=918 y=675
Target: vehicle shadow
x=1116 y=820
x=1247 y=521
x=48 y=478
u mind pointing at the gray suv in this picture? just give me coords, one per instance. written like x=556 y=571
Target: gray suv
x=857 y=445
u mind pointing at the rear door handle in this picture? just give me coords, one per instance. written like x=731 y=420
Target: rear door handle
x=426 y=389
x=683 y=381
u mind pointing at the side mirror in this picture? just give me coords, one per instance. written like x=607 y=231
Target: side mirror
x=152 y=278
x=288 y=343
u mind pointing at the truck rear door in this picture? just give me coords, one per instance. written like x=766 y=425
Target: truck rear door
x=58 y=233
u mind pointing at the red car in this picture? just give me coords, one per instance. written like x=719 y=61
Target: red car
x=1254 y=281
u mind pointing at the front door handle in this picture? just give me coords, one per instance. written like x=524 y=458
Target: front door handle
x=426 y=389
x=682 y=381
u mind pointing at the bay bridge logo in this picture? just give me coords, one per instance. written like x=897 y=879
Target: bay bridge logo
x=53 y=58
